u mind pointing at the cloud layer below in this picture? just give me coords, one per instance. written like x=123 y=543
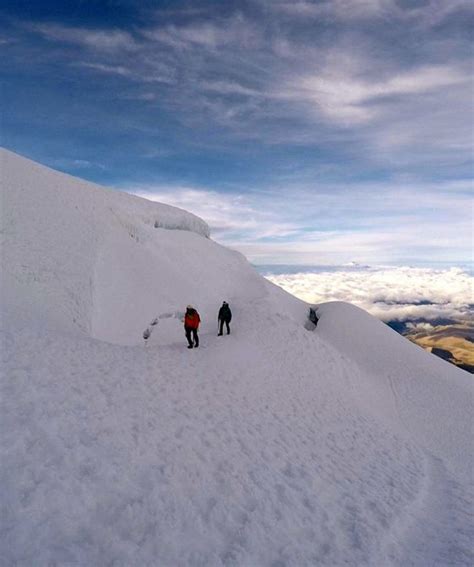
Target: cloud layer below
x=390 y=294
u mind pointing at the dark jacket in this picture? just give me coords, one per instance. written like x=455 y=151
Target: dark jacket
x=225 y=314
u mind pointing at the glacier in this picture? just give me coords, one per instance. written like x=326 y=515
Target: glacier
x=274 y=446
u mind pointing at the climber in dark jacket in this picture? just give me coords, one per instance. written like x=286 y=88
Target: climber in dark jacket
x=225 y=316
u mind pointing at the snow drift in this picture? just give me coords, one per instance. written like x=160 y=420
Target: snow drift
x=272 y=446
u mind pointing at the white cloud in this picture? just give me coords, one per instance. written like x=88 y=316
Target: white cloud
x=425 y=327
x=110 y=69
x=341 y=90
x=424 y=14
x=391 y=294
x=260 y=80
x=357 y=103
x=334 y=224
x=72 y=163
x=333 y=9
x=232 y=31
x=157 y=74
x=98 y=39
x=230 y=215
x=230 y=87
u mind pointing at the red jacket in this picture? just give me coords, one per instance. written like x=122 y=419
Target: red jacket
x=192 y=320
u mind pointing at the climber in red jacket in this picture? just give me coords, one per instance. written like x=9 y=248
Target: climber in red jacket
x=191 y=326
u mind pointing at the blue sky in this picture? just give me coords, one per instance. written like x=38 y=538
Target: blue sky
x=303 y=132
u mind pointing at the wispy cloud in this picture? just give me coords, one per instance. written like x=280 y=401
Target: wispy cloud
x=110 y=69
x=301 y=131
x=107 y=41
x=259 y=80
x=157 y=74
x=74 y=164
x=230 y=216
x=340 y=95
x=429 y=13
x=226 y=32
x=330 y=9
x=333 y=224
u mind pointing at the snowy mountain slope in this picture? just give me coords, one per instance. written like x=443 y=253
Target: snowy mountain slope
x=432 y=402
x=273 y=446
x=57 y=234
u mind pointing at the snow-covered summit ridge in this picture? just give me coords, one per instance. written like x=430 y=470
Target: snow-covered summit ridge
x=273 y=446
x=24 y=177
x=60 y=235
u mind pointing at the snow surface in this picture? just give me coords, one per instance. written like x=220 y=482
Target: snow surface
x=274 y=446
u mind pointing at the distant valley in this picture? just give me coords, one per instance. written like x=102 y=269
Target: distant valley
x=453 y=342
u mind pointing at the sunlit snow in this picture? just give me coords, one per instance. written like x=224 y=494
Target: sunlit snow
x=275 y=445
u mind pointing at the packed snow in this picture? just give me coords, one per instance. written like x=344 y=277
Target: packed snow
x=278 y=445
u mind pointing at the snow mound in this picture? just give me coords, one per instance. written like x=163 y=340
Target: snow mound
x=274 y=446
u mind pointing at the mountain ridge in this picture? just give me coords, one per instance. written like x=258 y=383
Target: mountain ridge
x=274 y=445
